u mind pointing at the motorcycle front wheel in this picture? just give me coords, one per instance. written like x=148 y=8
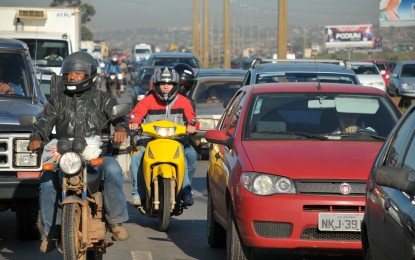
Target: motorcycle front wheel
x=165 y=205
x=71 y=231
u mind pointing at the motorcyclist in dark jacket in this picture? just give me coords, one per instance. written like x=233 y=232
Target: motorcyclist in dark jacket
x=81 y=111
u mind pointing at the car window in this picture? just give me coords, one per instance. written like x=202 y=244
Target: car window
x=314 y=113
x=408 y=70
x=13 y=72
x=232 y=113
x=305 y=77
x=397 y=151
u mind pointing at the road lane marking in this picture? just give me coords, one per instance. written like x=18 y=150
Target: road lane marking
x=141 y=255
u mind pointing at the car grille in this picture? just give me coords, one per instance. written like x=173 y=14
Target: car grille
x=273 y=229
x=315 y=234
x=356 y=188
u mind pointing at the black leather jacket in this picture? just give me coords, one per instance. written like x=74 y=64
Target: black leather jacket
x=78 y=115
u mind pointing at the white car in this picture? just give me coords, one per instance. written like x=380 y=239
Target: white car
x=368 y=74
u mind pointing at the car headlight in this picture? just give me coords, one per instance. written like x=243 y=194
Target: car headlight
x=267 y=184
x=24 y=157
x=165 y=131
x=70 y=163
x=206 y=123
x=407 y=86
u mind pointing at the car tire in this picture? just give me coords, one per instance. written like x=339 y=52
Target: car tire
x=204 y=154
x=215 y=232
x=28 y=220
x=365 y=243
x=235 y=249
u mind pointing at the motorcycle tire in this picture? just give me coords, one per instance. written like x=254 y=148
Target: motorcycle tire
x=165 y=204
x=71 y=228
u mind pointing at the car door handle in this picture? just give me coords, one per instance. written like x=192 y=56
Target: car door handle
x=217 y=156
x=387 y=203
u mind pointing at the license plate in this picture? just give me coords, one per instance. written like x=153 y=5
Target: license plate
x=340 y=221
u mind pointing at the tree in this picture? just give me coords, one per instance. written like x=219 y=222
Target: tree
x=87 y=11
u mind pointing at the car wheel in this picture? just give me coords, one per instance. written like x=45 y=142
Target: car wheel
x=215 y=232
x=204 y=154
x=28 y=220
x=235 y=249
x=365 y=243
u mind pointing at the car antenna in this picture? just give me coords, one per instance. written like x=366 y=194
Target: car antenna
x=318 y=78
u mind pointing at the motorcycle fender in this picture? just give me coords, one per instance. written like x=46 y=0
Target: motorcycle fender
x=72 y=199
x=165 y=171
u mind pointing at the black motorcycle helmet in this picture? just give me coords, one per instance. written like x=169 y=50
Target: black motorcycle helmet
x=79 y=61
x=186 y=77
x=167 y=75
x=114 y=60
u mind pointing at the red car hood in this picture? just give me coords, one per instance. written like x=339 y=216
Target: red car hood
x=313 y=159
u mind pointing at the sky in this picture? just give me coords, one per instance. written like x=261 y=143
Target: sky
x=132 y=14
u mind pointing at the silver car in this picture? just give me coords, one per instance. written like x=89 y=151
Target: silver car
x=267 y=71
x=213 y=90
x=402 y=82
x=368 y=74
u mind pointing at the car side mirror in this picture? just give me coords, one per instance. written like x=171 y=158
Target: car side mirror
x=382 y=72
x=219 y=137
x=397 y=178
x=27 y=120
x=393 y=75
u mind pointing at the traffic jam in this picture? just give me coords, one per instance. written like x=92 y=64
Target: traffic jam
x=290 y=146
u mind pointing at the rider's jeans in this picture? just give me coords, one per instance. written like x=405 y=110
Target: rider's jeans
x=115 y=203
x=137 y=176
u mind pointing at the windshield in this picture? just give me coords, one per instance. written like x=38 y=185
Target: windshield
x=278 y=116
x=192 y=62
x=306 y=77
x=13 y=73
x=213 y=92
x=364 y=69
x=47 y=53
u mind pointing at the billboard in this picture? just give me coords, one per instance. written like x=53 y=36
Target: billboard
x=347 y=36
x=396 y=13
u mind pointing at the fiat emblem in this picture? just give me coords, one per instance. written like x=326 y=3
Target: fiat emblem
x=345 y=189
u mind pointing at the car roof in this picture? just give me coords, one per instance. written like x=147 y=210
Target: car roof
x=362 y=63
x=303 y=67
x=406 y=61
x=172 y=54
x=220 y=78
x=312 y=87
x=220 y=72
x=6 y=43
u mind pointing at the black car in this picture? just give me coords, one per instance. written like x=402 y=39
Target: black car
x=389 y=221
x=162 y=59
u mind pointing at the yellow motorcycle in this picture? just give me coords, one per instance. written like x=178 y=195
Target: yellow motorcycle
x=163 y=168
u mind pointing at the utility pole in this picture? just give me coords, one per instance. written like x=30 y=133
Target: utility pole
x=205 y=35
x=226 y=33
x=282 y=29
x=196 y=28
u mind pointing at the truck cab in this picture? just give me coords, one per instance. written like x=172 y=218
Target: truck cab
x=19 y=168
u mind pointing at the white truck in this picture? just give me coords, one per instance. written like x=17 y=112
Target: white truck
x=44 y=30
x=142 y=51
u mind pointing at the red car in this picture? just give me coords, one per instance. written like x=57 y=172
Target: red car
x=384 y=69
x=288 y=166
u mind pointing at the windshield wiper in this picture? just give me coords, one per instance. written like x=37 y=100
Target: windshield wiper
x=306 y=135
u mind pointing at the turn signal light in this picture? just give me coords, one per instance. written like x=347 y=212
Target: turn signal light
x=48 y=167
x=96 y=161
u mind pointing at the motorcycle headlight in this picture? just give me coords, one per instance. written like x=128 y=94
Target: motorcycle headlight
x=70 y=163
x=267 y=184
x=112 y=77
x=119 y=76
x=165 y=131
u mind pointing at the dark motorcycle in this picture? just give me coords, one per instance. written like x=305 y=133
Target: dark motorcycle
x=84 y=227
x=113 y=83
